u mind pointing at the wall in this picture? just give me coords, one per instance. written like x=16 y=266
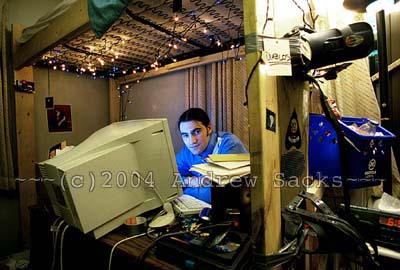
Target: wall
x=161 y=96
x=89 y=107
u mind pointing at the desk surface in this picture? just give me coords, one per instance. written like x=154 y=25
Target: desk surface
x=133 y=247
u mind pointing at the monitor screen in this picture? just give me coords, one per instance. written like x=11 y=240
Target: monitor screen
x=122 y=170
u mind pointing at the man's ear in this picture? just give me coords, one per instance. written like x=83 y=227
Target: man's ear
x=209 y=129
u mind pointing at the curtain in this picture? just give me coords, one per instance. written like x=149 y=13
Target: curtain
x=6 y=157
x=218 y=88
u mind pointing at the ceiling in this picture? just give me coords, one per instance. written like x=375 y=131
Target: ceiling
x=149 y=35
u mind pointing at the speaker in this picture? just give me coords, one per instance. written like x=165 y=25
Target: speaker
x=336 y=45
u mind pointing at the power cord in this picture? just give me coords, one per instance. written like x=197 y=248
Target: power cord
x=61 y=246
x=121 y=241
x=249 y=79
x=55 y=237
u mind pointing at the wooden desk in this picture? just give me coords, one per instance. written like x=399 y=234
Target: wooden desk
x=132 y=249
x=81 y=251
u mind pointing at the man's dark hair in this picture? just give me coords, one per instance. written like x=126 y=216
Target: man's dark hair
x=194 y=114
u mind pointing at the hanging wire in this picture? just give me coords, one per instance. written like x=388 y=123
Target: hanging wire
x=249 y=79
x=304 y=14
x=266 y=18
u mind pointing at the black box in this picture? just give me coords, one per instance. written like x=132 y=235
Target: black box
x=178 y=251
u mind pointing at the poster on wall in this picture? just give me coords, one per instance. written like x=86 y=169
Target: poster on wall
x=59 y=118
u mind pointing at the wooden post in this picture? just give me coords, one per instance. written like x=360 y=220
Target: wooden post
x=284 y=101
x=293 y=114
x=114 y=101
x=26 y=145
x=264 y=144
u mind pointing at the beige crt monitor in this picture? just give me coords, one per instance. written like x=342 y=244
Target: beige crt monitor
x=120 y=171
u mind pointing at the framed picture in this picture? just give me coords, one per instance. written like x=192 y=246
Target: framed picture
x=59 y=118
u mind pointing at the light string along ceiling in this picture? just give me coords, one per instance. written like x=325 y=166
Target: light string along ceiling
x=105 y=57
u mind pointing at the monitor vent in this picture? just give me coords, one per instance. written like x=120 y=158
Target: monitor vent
x=43 y=171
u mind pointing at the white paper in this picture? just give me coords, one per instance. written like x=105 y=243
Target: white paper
x=229 y=164
x=277 y=57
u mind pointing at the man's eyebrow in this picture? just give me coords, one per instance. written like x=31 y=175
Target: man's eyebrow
x=193 y=130
x=196 y=129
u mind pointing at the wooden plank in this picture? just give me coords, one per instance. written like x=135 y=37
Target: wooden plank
x=264 y=144
x=394 y=82
x=114 y=101
x=391 y=67
x=26 y=143
x=70 y=24
x=293 y=115
x=188 y=63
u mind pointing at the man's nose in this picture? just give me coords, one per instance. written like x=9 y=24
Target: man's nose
x=193 y=138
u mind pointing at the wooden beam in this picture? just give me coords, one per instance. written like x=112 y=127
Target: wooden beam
x=188 y=63
x=391 y=67
x=264 y=144
x=276 y=153
x=26 y=144
x=70 y=24
x=114 y=101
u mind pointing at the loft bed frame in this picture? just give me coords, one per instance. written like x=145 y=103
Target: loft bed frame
x=69 y=36
x=71 y=23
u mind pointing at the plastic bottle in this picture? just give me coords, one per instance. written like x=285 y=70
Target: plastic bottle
x=368 y=128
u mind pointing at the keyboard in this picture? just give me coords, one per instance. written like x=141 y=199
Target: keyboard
x=189 y=205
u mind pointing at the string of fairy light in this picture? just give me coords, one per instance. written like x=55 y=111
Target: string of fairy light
x=103 y=59
x=173 y=44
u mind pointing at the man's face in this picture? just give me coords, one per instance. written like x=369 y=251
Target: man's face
x=195 y=136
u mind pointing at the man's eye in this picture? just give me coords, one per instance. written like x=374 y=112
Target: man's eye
x=197 y=132
x=184 y=135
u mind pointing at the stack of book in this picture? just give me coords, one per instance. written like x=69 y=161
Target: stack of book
x=224 y=168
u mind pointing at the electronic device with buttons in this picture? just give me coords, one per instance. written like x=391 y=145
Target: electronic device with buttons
x=217 y=247
x=382 y=227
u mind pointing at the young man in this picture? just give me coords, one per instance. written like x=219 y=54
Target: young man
x=200 y=141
